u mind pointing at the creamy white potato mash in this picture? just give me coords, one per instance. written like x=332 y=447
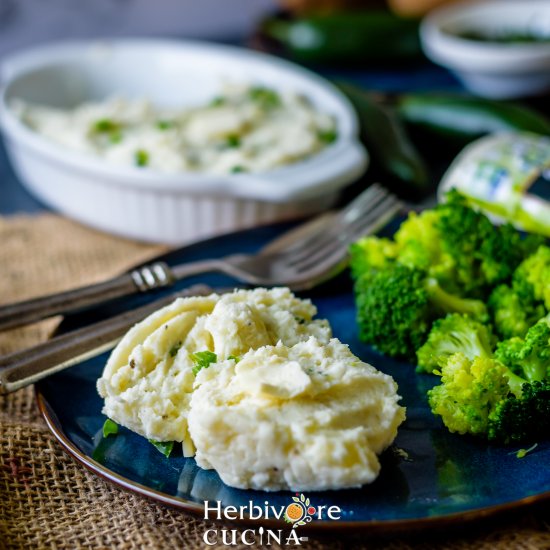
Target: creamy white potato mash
x=246 y=129
x=148 y=380
x=307 y=417
x=256 y=388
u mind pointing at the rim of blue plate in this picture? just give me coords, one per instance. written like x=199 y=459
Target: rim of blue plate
x=373 y=526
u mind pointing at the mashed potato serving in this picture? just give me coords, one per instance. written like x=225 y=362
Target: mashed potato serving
x=256 y=388
x=246 y=129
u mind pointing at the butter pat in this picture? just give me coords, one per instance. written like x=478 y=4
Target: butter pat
x=271 y=377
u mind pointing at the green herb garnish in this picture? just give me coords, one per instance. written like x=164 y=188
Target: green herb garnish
x=141 y=157
x=165 y=124
x=327 y=136
x=164 y=447
x=235 y=358
x=106 y=126
x=174 y=350
x=504 y=37
x=233 y=141
x=109 y=128
x=109 y=428
x=521 y=453
x=238 y=169
x=265 y=96
x=217 y=101
x=203 y=360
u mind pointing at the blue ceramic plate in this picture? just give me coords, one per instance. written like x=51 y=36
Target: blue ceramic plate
x=440 y=478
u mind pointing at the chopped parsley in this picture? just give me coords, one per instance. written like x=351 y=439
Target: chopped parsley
x=327 y=136
x=233 y=141
x=174 y=350
x=109 y=428
x=266 y=97
x=521 y=453
x=109 y=128
x=238 y=169
x=115 y=137
x=202 y=360
x=106 y=126
x=141 y=157
x=165 y=124
x=164 y=447
x=235 y=358
x=218 y=101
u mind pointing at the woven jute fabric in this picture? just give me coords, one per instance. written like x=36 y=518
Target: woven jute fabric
x=47 y=500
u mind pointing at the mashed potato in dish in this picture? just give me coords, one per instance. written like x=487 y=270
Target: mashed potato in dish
x=256 y=388
x=247 y=129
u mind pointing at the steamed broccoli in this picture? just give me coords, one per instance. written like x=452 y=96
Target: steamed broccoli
x=513 y=314
x=531 y=279
x=397 y=305
x=529 y=357
x=484 y=255
x=418 y=245
x=371 y=253
x=454 y=244
x=415 y=245
x=452 y=334
x=483 y=397
x=522 y=417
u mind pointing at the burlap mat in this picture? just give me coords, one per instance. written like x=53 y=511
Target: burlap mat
x=47 y=500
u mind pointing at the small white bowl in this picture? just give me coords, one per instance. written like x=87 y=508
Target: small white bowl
x=152 y=206
x=489 y=69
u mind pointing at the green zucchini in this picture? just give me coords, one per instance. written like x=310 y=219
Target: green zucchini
x=389 y=145
x=462 y=119
x=346 y=37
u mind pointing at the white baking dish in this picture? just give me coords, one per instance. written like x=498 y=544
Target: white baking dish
x=153 y=206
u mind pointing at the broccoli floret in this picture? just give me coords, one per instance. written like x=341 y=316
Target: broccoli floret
x=371 y=253
x=419 y=246
x=397 y=305
x=454 y=333
x=469 y=390
x=531 y=279
x=485 y=255
x=507 y=352
x=504 y=253
x=523 y=418
x=483 y=397
x=513 y=314
x=392 y=308
x=529 y=358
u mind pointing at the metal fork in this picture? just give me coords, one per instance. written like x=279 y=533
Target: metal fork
x=300 y=259
x=306 y=256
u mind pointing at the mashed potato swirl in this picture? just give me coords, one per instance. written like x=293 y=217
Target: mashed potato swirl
x=282 y=405
x=307 y=417
x=148 y=380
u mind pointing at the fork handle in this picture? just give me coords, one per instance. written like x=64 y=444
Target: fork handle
x=142 y=279
x=25 y=367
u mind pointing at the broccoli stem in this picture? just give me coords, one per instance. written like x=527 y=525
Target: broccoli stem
x=515 y=383
x=449 y=303
x=534 y=371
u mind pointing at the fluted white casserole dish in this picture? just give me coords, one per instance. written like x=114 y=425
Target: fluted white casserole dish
x=152 y=206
